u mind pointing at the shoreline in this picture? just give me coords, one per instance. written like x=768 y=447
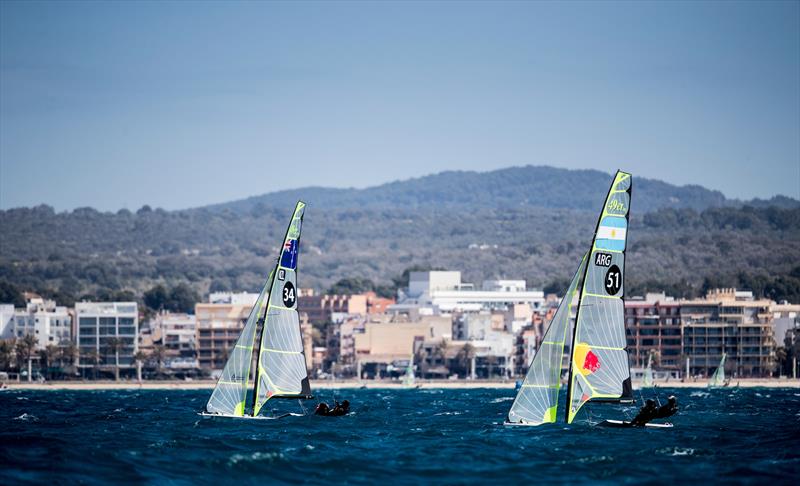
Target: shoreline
x=351 y=384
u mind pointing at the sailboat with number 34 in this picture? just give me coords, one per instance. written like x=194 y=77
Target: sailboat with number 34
x=271 y=337
x=598 y=364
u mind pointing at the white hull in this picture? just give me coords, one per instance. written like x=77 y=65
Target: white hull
x=623 y=424
x=257 y=417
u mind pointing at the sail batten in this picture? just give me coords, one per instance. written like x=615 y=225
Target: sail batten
x=599 y=367
x=536 y=402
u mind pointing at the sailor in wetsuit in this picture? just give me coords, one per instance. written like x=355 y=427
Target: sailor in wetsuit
x=650 y=411
x=646 y=414
x=668 y=410
x=338 y=410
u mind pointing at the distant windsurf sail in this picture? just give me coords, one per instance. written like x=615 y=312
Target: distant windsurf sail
x=718 y=378
x=230 y=394
x=647 y=377
x=599 y=367
x=409 y=380
x=281 y=366
x=536 y=402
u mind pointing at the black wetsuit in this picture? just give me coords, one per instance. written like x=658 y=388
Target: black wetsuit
x=646 y=414
x=337 y=411
x=668 y=410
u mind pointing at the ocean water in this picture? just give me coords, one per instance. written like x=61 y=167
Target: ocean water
x=392 y=437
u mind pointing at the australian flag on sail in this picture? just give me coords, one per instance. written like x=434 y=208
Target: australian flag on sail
x=289 y=254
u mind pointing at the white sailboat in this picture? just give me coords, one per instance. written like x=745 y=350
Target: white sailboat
x=409 y=380
x=598 y=363
x=647 y=376
x=718 y=378
x=271 y=335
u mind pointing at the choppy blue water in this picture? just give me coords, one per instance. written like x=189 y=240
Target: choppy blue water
x=393 y=436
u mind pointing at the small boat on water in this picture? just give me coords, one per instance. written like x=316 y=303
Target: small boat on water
x=718 y=378
x=647 y=377
x=598 y=364
x=267 y=361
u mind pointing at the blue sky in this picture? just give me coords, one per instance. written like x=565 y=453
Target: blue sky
x=183 y=104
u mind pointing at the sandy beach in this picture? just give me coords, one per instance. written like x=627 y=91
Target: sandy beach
x=343 y=384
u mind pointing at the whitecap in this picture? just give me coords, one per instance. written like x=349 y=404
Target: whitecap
x=255 y=457
x=501 y=399
x=27 y=418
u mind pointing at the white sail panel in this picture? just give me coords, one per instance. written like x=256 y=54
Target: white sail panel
x=230 y=394
x=599 y=365
x=536 y=402
x=281 y=364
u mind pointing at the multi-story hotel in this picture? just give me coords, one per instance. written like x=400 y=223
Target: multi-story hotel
x=653 y=328
x=98 y=323
x=218 y=327
x=731 y=322
x=43 y=319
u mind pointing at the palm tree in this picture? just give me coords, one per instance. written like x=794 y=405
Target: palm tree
x=25 y=348
x=69 y=354
x=491 y=361
x=465 y=358
x=113 y=345
x=6 y=354
x=140 y=357
x=158 y=354
x=94 y=357
x=47 y=358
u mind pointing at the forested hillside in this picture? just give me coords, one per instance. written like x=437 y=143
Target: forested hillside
x=85 y=252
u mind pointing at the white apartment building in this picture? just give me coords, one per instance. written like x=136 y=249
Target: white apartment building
x=42 y=318
x=98 y=322
x=233 y=298
x=178 y=331
x=434 y=292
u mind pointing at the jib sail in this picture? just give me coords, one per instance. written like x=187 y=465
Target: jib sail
x=537 y=400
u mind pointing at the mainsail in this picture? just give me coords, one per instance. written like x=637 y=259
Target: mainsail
x=536 y=402
x=718 y=378
x=281 y=366
x=599 y=367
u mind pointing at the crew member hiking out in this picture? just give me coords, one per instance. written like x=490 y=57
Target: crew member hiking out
x=338 y=409
x=650 y=411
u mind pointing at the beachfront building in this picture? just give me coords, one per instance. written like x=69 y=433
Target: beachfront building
x=42 y=318
x=218 y=326
x=177 y=333
x=732 y=322
x=99 y=325
x=653 y=328
x=322 y=308
x=439 y=292
x=233 y=298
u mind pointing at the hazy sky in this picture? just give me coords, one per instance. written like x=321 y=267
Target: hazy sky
x=176 y=105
